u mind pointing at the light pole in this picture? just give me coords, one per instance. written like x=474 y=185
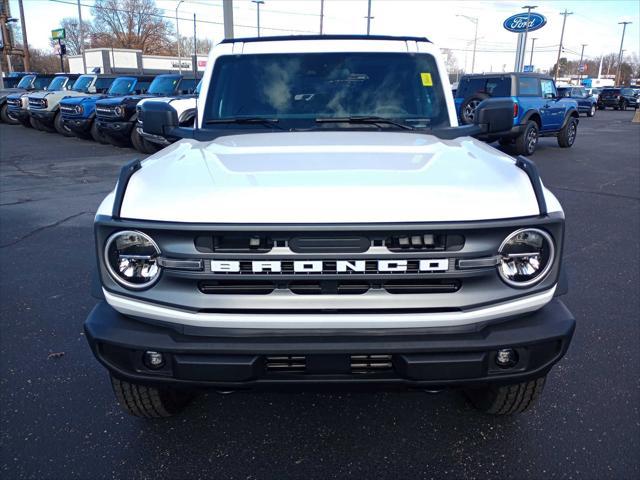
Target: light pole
x=533 y=43
x=178 y=35
x=473 y=20
x=258 y=3
x=624 y=27
x=84 y=61
x=564 y=21
x=368 y=17
x=321 y=15
x=25 y=42
x=526 y=32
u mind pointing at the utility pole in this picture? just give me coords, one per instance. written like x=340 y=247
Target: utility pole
x=194 y=62
x=84 y=61
x=369 y=17
x=321 y=15
x=25 y=42
x=618 y=80
x=258 y=3
x=580 y=63
x=473 y=20
x=227 y=13
x=178 y=35
x=564 y=21
x=533 y=43
x=526 y=32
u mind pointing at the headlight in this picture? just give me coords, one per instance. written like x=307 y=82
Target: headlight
x=526 y=256
x=119 y=111
x=79 y=109
x=132 y=259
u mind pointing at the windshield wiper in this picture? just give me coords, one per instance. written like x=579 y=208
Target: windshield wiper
x=371 y=120
x=245 y=121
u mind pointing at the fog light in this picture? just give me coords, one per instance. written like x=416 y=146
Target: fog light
x=153 y=360
x=506 y=357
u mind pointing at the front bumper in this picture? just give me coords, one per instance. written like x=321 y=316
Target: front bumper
x=44 y=116
x=81 y=125
x=117 y=129
x=241 y=358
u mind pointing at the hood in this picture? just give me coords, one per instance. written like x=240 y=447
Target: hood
x=79 y=99
x=328 y=177
x=8 y=91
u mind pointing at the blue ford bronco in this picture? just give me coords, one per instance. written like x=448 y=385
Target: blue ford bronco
x=538 y=110
x=117 y=117
x=79 y=113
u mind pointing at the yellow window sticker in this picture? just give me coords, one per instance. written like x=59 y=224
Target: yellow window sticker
x=426 y=79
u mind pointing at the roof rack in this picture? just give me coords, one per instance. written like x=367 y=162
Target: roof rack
x=281 y=38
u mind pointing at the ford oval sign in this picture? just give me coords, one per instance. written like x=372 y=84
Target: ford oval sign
x=518 y=23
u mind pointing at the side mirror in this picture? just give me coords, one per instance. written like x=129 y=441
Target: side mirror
x=159 y=118
x=549 y=96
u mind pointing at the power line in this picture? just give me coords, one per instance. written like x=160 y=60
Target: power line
x=157 y=15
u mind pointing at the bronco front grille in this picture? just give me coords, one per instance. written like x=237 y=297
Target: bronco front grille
x=67 y=110
x=37 y=103
x=105 y=111
x=14 y=102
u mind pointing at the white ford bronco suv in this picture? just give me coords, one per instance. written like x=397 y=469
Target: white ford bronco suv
x=327 y=223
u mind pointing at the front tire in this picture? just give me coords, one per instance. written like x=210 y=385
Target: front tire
x=624 y=106
x=567 y=135
x=60 y=127
x=527 y=142
x=35 y=123
x=506 y=399
x=140 y=143
x=97 y=135
x=150 y=402
x=5 y=117
x=592 y=111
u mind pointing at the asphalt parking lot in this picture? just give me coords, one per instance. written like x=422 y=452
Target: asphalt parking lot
x=59 y=418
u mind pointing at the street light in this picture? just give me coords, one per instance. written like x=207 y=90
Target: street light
x=178 y=35
x=624 y=27
x=258 y=3
x=533 y=42
x=473 y=20
x=526 y=31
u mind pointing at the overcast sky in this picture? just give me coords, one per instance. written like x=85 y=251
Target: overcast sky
x=594 y=23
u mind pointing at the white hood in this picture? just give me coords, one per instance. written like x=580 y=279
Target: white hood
x=328 y=177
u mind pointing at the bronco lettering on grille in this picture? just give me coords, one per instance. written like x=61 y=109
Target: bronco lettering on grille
x=433 y=265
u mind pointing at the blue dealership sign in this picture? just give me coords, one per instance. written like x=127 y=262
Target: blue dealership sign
x=518 y=23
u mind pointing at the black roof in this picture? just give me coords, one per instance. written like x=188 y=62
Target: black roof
x=323 y=37
x=505 y=74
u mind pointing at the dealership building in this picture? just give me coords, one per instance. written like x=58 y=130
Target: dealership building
x=126 y=61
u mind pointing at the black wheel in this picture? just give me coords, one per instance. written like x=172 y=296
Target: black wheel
x=592 y=111
x=624 y=105
x=60 y=127
x=6 y=117
x=26 y=122
x=469 y=106
x=150 y=402
x=526 y=143
x=96 y=134
x=141 y=144
x=35 y=123
x=506 y=399
x=567 y=135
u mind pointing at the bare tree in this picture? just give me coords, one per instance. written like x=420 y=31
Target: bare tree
x=136 y=24
x=186 y=46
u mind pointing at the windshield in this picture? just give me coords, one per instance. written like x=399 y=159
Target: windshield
x=82 y=83
x=57 y=83
x=121 y=86
x=303 y=87
x=25 y=82
x=164 y=85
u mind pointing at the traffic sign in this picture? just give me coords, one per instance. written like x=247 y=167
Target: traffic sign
x=582 y=67
x=58 y=34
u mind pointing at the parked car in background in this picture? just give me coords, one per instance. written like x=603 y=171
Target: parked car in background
x=43 y=106
x=538 y=111
x=79 y=113
x=594 y=91
x=18 y=103
x=619 y=98
x=185 y=107
x=12 y=80
x=586 y=102
x=26 y=83
x=117 y=117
